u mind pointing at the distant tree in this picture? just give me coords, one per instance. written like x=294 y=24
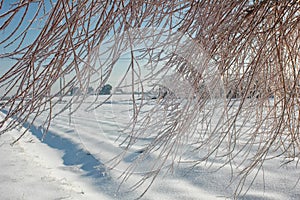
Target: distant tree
x=90 y=90
x=75 y=91
x=106 y=90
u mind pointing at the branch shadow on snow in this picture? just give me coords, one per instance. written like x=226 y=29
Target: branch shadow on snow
x=73 y=155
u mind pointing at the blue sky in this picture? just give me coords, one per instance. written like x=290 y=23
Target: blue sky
x=4 y=34
x=5 y=63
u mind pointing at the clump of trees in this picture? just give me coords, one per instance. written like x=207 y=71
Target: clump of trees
x=105 y=90
x=251 y=46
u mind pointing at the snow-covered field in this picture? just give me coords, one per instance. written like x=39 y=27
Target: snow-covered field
x=73 y=162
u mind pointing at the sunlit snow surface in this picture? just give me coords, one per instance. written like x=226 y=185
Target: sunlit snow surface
x=74 y=161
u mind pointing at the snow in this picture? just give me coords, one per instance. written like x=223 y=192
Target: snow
x=73 y=162
x=33 y=170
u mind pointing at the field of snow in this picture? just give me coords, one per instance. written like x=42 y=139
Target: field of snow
x=74 y=160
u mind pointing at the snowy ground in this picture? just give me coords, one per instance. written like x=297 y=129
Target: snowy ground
x=71 y=163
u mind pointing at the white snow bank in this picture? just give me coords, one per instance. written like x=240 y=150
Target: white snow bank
x=71 y=164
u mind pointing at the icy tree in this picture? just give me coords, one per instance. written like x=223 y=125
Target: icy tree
x=238 y=60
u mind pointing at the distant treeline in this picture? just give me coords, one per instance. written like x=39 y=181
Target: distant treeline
x=105 y=90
